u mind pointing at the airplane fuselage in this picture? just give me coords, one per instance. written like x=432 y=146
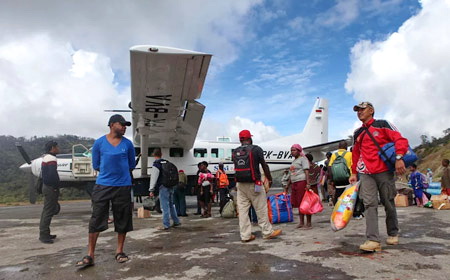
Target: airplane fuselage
x=210 y=151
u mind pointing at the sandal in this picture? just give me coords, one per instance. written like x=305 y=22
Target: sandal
x=86 y=261
x=162 y=228
x=121 y=257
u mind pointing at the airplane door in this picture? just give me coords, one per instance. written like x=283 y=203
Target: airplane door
x=82 y=162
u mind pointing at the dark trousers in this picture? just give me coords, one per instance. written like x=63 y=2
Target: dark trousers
x=338 y=192
x=384 y=185
x=179 y=199
x=197 y=192
x=223 y=198
x=51 y=208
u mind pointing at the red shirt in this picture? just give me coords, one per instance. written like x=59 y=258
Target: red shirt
x=365 y=153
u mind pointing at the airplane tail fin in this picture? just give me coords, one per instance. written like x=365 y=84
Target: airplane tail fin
x=317 y=125
x=315 y=131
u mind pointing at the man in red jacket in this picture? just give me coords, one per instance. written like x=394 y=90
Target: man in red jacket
x=374 y=174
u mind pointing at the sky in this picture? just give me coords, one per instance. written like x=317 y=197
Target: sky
x=62 y=63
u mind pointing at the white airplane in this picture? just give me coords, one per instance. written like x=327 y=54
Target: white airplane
x=165 y=84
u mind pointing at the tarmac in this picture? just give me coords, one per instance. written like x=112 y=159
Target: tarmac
x=210 y=248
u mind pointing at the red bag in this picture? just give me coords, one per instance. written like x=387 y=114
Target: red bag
x=310 y=203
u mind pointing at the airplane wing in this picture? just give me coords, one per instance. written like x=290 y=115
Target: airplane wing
x=165 y=83
x=320 y=150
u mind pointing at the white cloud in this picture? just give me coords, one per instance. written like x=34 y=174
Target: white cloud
x=63 y=62
x=61 y=91
x=406 y=75
x=341 y=15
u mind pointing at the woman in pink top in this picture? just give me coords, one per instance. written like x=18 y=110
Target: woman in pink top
x=299 y=182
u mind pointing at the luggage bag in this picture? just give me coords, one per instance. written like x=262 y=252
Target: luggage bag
x=280 y=208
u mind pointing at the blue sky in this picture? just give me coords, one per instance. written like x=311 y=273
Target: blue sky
x=62 y=63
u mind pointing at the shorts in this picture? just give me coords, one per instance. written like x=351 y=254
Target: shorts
x=298 y=191
x=120 y=198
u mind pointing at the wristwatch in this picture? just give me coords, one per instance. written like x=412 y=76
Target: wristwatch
x=398 y=157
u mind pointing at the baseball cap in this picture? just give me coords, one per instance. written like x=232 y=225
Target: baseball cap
x=245 y=134
x=362 y=105
x=118 y=118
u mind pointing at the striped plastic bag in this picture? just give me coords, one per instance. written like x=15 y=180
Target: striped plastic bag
x=280 y=208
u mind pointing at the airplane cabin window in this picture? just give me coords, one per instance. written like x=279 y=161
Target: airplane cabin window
x=151 y=150
x=200 y=152
x=228 y=153
x=176 y=152
x=217 y=153
x=214 y=153
x=137 y=150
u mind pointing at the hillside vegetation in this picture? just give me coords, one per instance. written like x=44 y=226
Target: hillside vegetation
x=14 y=182
x=431 y=153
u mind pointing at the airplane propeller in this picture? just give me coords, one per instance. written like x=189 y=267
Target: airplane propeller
x=31 y=179
x=23 y=153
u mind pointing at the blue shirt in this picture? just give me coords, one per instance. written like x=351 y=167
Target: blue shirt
x=416 y=180
x=113 y=163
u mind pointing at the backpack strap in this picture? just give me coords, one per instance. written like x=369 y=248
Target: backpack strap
x=376 y=144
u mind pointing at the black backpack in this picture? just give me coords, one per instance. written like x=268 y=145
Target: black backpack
x=243 y=164
x=169 y=174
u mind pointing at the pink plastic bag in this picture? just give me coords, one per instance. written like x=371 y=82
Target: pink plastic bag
x=310 y=203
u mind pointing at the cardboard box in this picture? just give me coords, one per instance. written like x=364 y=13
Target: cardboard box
x=401 y=200
x=142 y=213
x=439 y=197
x=441 y=204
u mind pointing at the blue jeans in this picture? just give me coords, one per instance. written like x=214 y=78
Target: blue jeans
x=167 y=206
x=179 y=199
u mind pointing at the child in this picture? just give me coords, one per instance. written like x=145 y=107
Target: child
x=416 y=183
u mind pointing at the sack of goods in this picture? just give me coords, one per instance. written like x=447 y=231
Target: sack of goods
x=343 y=210
x=229 y=210
x=280 y=208
x=388 y=154
x=434 y=188
x=149 y=203
x=310 y=204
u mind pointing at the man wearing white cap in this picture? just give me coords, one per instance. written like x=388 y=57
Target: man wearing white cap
x=375 y=176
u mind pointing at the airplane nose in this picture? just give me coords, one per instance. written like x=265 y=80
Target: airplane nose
x=26 y=167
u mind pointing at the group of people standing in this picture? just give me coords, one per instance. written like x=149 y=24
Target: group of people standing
x=364 y=165
x=114 y=159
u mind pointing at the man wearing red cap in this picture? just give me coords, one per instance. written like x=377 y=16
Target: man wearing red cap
x=250 y=191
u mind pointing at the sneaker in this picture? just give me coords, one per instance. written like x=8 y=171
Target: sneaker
x=52 y=236
x=176 y=224
x=252 y=237
x=358 y=217
x=370 y=246
x=274 y=234
x=392 y=240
